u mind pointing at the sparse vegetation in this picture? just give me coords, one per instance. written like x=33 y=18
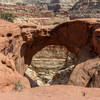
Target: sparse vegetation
x=19 y=86
x=7 y=16
x=56 y=23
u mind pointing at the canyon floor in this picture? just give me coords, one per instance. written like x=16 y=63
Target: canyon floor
x=54 y=93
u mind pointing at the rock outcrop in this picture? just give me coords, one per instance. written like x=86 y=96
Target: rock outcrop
x=11 y=42
x=10 y=59
x=10 y=79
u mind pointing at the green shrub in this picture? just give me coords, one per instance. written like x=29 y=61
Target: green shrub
x=7 y=16
x=56 y=23
x=19 y=86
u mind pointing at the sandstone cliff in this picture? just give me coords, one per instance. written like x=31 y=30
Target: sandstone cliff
x=37 y=1
x=85 y=9
x=55 y=5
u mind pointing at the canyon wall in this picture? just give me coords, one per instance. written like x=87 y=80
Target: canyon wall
x=85 y=9
x=36 y=1
x=54 y=5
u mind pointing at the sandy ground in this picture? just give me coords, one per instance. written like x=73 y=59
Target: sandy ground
x=54 y=93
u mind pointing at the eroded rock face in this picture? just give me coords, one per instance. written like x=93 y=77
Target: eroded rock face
x=10 y=43
x=86 y=74
x=9 y=77
x=84 y=69
x=10 y=59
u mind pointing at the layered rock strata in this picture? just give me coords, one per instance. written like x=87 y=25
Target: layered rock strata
x=85 y=9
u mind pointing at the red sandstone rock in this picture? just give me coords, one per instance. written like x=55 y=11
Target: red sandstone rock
x=73 y=34
x=86 y=72
x=9 y=77
x=8 y=29
x=10 y=43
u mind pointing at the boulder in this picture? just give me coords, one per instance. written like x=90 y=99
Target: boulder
x=86 y=71
x=86 y=74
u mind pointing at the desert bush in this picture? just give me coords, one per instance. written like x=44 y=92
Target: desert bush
x=19 y=86
x=7 y=16
x=56 y=23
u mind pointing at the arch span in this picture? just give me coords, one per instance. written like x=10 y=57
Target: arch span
x=74 y=35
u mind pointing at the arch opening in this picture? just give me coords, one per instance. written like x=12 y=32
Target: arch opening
x=49 y=64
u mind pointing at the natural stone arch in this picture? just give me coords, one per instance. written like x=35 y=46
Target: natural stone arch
x=74 y=35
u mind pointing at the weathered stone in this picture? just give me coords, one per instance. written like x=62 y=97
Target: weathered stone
x=9 y=77
x=86 y=74
x=10 y=44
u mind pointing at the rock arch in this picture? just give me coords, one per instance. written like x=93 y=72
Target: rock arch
x=76 y=35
